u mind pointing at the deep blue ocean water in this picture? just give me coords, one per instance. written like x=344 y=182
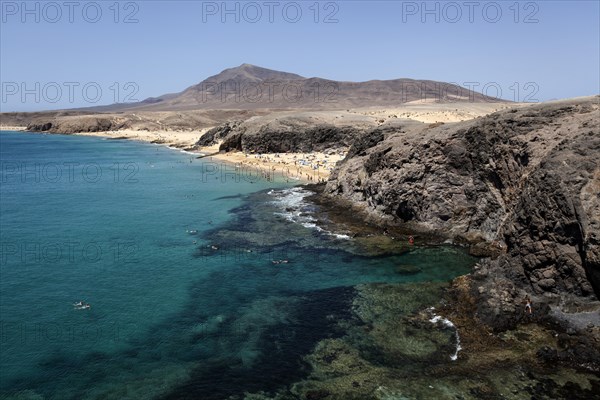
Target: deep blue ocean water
x=203 y=282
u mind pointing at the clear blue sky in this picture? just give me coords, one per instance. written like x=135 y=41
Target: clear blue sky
x=545 y=49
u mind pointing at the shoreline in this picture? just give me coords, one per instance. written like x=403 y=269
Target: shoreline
x=313 y=167
x=13 y=128
x=535 y=343
x=304 y=168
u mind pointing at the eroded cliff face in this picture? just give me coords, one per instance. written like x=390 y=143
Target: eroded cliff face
x=290 y=132
x=522 y=185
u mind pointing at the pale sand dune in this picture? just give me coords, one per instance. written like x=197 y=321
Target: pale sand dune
x=430 y=112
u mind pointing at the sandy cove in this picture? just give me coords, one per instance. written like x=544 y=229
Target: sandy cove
x=311 y=167
x=302 y=167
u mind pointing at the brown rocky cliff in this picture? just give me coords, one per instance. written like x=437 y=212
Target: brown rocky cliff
x=525 y=182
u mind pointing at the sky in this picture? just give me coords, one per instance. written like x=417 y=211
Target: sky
x=66 y=54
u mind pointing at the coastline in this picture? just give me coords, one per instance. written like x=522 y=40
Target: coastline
x=13 y=128
x=482 y=353
x=313 y=167
x=310 y=167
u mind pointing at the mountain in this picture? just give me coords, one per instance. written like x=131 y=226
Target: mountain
x=252 y=73
x=247 y=90
x=252 y=87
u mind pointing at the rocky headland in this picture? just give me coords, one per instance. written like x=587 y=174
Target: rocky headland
x=521 y=185
x=290 y=132
x=520 y=188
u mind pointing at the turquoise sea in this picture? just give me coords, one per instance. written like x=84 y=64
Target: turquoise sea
x=204 y=282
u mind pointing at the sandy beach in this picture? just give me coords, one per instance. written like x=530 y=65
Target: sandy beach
x=311 y=167
x=179 y=139
x=304 y=167
x=12 y=128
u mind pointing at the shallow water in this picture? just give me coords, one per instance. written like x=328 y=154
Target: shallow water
x=202 y=283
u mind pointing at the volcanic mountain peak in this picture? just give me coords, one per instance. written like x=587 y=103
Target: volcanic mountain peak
x=252 y=73
x=252 y=87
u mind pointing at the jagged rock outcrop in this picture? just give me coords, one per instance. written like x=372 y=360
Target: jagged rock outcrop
x=218 y=133
x=317 y=138
x=522 y=185
x=296 y=132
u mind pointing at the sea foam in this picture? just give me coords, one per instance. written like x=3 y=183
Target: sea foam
x=449 y=324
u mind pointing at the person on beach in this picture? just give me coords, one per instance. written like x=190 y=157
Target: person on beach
x=411 y=240
x=528 y=304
